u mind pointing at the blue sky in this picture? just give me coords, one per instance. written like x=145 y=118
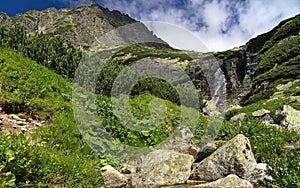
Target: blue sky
x=218 y=24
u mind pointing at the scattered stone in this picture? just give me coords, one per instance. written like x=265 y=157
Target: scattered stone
x=15 y=117
x=182 y=143
x=207 y=149
x=37 y=124
x=239 y=117
x=163 y=167
x=259 y=173
x=234 y=157
x=267 y=118
x=227 y=182
x=260 y=113
x=21 y=123
x=210 y=109
x=234 y=107
x=283 y=87
x=113 y=178
x=295 y=98
x=292 y=118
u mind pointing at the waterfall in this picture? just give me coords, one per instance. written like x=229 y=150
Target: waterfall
x=219 y=89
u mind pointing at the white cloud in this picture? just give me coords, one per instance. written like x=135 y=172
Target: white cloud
x=220 y=25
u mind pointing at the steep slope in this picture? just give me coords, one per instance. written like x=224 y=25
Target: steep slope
x=81 y=26
x=249 y=66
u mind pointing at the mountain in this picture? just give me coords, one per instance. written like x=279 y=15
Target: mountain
x=81 y=26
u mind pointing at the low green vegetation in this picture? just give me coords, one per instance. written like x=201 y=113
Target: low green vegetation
x=54 y=155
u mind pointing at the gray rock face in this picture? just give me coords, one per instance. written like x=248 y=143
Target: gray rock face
x=113 y=178
x=163 y=167
x=229 y=181
x=81 y=26
x=234 y=157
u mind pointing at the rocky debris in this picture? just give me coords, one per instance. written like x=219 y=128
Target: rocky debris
x=260 y=113
x=234 y=157
x=207 y=149
x=284 y=87
x=182 y=143
x=113 y=178
x=267 y=119
x=163 y=167
x=239 y=117
x=227 y=182
x=230 y=165
x=14 y=123
x=292 y=118
x=234 y=107
x=210 y=109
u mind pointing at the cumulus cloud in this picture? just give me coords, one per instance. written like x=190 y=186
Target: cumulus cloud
x=219 y=24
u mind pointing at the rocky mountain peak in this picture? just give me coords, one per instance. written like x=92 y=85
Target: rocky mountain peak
x=81 y=25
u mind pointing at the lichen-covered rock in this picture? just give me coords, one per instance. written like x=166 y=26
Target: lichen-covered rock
x=234 y=157
x=260 y=113
x=292 y=118
x=113 y=178
x=163 y=167
x=239 y=117
x=227 y=182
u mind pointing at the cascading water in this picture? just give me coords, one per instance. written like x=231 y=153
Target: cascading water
x=219 y=89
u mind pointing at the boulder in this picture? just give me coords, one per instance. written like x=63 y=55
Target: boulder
x=113 y=178
x=260 y=113
x=239 y=117
x=292 y=118
x=234 y=157
x=229 y=181
x=163 y=167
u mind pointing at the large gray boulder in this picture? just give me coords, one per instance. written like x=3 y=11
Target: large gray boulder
x=163 y=167
x=227 y=182
x=234 y=157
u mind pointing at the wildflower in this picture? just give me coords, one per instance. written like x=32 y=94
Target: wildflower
x=43 y=142
x=254 y=147
x=57 y=145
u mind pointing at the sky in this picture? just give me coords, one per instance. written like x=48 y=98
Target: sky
x=218 y=24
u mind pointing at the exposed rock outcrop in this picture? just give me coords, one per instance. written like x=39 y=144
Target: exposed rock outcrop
x=81 y=26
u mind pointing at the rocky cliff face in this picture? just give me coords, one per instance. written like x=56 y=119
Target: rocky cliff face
x=81 y=26
x=240 y=65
